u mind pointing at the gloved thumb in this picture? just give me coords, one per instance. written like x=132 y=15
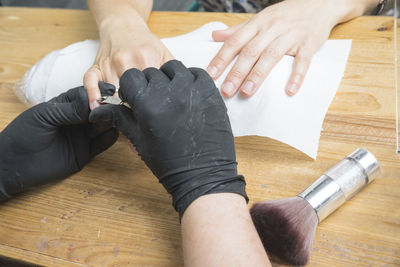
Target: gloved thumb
x=119 y=116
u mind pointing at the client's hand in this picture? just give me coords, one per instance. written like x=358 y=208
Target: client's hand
x=50 y=141
x=179 y=125
x=124 y=43
x=291 y=27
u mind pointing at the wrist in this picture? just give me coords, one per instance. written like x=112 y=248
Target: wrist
x=347 y=10
x=234 y=185
x=104 y=9
x=127 y=22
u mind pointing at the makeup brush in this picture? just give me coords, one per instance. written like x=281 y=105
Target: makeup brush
x=287 y=226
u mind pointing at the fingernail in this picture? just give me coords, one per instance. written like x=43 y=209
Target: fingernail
x=247 y=88
x=212 y=71
x=94 y=105
x=227 y=88
x=292 y=88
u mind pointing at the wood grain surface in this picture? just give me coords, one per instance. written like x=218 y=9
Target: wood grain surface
x=115 y=213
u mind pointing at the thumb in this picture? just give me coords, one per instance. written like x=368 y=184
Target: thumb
x=119 y=116
x=103 y=141
x=91 y=84
x=223 y=35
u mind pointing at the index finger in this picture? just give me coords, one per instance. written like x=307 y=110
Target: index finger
x=91 y=84
x=230 y=49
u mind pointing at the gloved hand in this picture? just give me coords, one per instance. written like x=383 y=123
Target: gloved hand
x=180 y=128
x=51 y=140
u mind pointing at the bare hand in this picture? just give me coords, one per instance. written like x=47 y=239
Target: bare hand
x=123 y=46
x=291 y=27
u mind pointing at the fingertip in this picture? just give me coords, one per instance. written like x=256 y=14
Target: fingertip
x=244 y=93
x=248 y=88
x=228 y=89
x=93 y=96
x=292 y=89
x=212 y=71
x=220 y=35
x=225 y=95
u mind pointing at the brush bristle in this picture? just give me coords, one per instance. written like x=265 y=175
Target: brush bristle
x=286 y=228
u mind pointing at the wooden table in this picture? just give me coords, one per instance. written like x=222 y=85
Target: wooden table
x=114 y=212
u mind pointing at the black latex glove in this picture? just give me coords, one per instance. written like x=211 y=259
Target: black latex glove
x=180 y=128
x=50 y=141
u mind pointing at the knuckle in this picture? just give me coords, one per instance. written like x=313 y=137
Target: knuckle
x=251 y=51
x=218 y=61
x=103 y=65
x=121 y=58
x=236 y=75
x=310 y=38
x=233 y=41
x=144 y=53
x=88 y=78
x=273 y=53
x=256 y=75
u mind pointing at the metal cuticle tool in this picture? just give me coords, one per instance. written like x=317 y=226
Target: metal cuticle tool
x=113 y=100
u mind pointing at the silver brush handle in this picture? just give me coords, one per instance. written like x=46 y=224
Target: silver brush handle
x=341 y=182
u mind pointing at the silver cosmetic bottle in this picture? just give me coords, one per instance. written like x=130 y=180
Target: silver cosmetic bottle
x=341 y=182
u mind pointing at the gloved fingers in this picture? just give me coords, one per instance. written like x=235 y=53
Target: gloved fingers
x=64 y=114
x=158 y=90
x=207 y=83
x=118 y=116
x=154 y=75
x=76 y=105
x=200 y=74
x=105 y=114
x=175 y=70
x=106 y=89
x=103 y=141
x=70 y=95
x=132 y=84
x=95 y=129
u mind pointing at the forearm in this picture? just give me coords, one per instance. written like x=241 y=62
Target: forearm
x=110 y=11
x=217 y=230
